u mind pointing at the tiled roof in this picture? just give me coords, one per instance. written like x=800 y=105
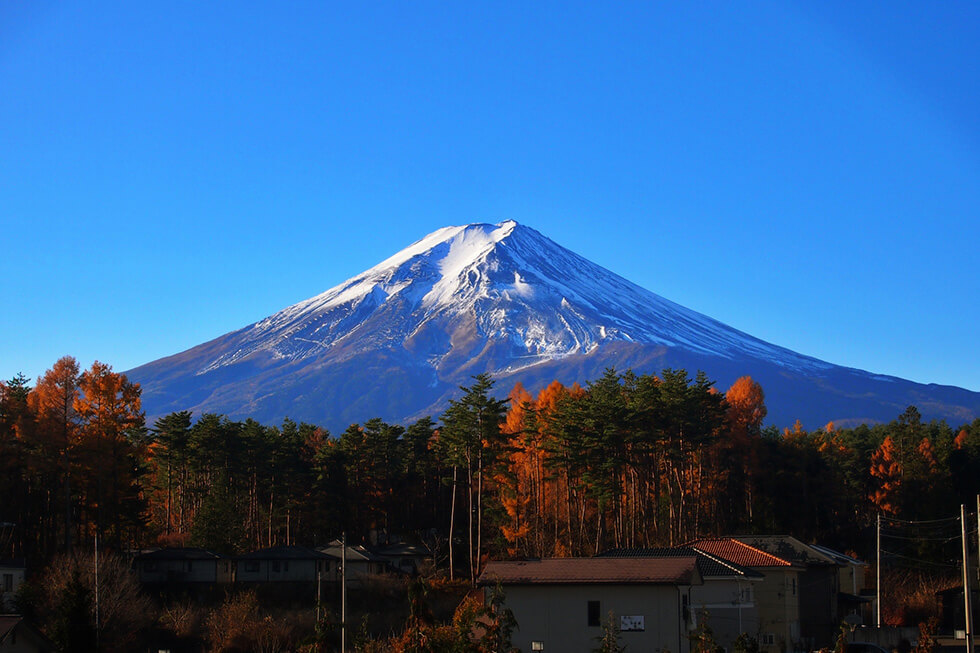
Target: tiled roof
x=789 y=548
x=174 y=553
x=669 y=571
x=740 y=553
x=285 y=553
x=708 y=565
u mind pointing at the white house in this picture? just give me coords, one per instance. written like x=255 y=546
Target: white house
x=285 y=564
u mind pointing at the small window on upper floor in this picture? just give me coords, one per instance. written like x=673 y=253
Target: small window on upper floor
x=594 y=614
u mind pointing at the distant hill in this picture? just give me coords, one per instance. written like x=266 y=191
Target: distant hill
x=397 y=340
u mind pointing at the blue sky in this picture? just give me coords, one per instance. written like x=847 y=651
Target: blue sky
x=808 y=172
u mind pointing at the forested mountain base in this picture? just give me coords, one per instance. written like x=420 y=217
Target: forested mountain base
x=625 y=461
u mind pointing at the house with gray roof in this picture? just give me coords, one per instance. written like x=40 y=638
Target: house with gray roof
x=361 y=563
x=725 y=601
x=560 y=603
x=183 y=565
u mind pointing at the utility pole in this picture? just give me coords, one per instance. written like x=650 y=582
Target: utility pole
x=966 y=582
x=343 y=594
x=319 y=575
x=878 y=575
x=97 y=624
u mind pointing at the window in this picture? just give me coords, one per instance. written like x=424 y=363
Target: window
x=8 y=582
x=252 y=566
x=594 y=618
x=768 y=639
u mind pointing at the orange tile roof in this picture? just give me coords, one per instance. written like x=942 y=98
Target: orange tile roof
x=740 y=553
x=672 y=571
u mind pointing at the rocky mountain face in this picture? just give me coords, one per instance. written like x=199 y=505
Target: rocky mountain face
x=397 y=340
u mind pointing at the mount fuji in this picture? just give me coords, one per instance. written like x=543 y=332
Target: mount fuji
x=397 y=340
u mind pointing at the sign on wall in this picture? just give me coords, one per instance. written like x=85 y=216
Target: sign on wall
x=631 y=623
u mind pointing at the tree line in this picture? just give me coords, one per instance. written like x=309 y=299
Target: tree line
x=624 y=461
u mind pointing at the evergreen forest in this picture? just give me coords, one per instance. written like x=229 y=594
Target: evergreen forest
x=624 y=460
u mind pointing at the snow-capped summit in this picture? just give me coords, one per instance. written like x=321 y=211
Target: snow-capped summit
x=396 y=340
x=508 y=284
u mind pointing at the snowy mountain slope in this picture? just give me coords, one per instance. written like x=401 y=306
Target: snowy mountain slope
x=397 y=340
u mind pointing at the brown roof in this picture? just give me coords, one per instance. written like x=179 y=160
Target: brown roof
x=740 y=553
x=672 y=571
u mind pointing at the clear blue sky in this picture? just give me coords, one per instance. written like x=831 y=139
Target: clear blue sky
x=808 y=172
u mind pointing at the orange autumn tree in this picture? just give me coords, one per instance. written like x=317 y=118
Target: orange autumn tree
x=886 y=472
x=746 y=408
x=56 y=436
x=110 y=451
x=515 y=479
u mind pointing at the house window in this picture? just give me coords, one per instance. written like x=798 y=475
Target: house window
x=8 y=582
x=252 y=566
x=594 y=618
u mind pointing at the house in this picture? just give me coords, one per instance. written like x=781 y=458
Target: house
x=820 y=586
x=853 y=603
x=17 y=635
x=777 y=596
x=726 y=599
x=183 y=565
x=285 y=564
x=561 y=603
x=11 y=578
x=360 y=562
x=409 y=558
